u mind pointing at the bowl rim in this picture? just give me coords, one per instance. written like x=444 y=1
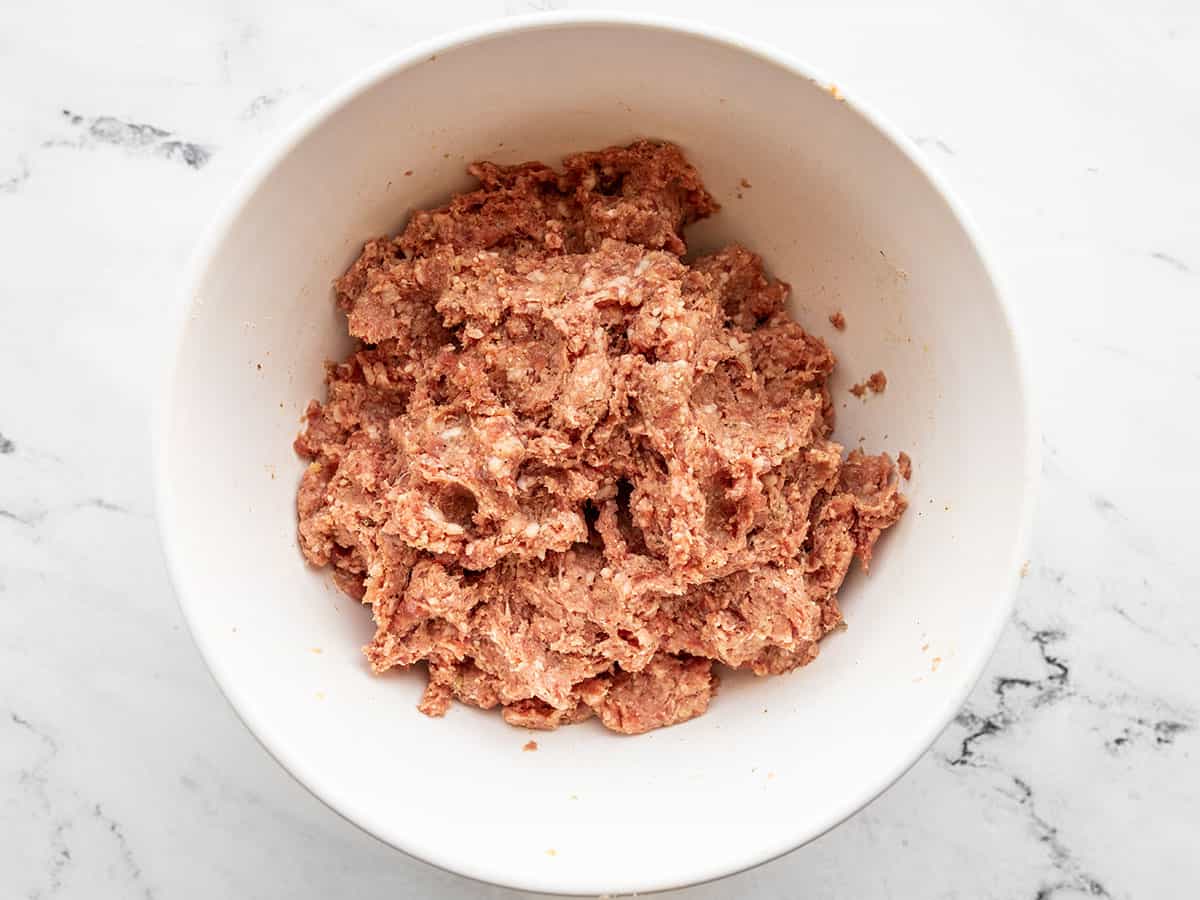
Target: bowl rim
x=234 y=204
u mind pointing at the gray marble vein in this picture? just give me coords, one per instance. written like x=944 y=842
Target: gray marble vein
x=124 y=851
x=1174 y=262
x=10 y=184
x=136 y=137
x=260 y=105
x=1070 y=876
x=934 y=142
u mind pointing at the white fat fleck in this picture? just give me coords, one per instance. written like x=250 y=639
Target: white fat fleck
x=509 y=445
x=432 y=512
x=532 y=529
x=495 y=465
x=620 y=284
x=524 y=483
x=643 y=264
x=451 y=433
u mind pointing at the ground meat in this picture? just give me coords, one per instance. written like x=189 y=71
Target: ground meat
x=569 y=470
x=838 y=321
x=669 y=689
x=876 y=384
x=904 y=465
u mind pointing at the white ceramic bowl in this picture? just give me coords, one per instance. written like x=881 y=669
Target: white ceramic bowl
x=843 y=208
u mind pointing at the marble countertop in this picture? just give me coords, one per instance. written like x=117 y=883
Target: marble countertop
x=1070 y=129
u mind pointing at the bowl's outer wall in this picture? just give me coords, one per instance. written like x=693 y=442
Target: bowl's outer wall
x=836 y=209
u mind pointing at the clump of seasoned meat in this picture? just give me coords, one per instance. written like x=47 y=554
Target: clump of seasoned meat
x=876 y=383
x=570 y=471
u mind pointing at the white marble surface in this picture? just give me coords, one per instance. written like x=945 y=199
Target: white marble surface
x=1071 y=129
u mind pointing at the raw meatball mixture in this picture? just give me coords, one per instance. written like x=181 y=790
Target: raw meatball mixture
x=570 y=470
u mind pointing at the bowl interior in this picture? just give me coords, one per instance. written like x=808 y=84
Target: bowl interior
x=837 y=210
